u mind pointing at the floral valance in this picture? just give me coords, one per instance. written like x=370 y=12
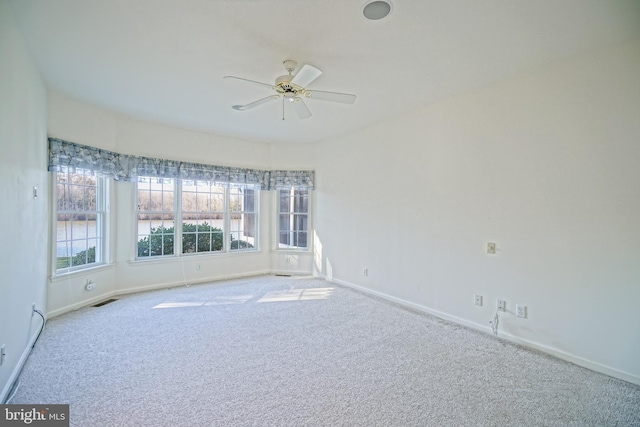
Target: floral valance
x=124 y=167
x=282 y=180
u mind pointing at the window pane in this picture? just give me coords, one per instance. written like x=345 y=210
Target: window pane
x=90 y=198
x=301 y=241
x=144 y=201
x=249 y=201
x=301 y=204
x=217 y=200
x=62 y=199
x=283 y=221
x=203 y=202
x=284 y=201
x=78 y=252
x=167 y=244
x=167 y=201
x=189 y=202
x=249 y=225
x=300 y=222
x=284 y=239
x=235 y=202
x=204 y=242
x=156 y=244
x=156 y=201
x=91 y=225
x=90 y=180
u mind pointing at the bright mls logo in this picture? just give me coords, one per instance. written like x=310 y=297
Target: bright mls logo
x=34 y=415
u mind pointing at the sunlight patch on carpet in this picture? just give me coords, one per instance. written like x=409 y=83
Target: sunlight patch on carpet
x=297 y=295
x=232 y=300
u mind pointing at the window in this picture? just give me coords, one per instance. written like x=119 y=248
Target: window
x=80 y=219
x=156 y=217
x=184 y=217
x=242 y=206
x=202 y=217
x=293 y=219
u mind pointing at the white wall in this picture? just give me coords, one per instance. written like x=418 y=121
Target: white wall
x=547 y=165
x=23 y=162
x=86 y=124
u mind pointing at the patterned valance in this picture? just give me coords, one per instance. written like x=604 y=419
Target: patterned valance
x=282 y=180
x=124 y=167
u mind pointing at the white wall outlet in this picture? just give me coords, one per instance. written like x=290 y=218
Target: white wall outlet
x=89 y=286
x=365 y=272
x=491 y=248
x=197 y=267
x=521 y=310
x=3 y=353
x=477 y=299
x=501 y=305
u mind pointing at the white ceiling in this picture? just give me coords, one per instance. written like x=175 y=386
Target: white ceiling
x=163 y=60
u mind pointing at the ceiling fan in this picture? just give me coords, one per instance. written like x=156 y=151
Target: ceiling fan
x=293 y=88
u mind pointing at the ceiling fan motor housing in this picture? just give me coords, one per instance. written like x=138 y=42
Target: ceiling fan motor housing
x=284 y=85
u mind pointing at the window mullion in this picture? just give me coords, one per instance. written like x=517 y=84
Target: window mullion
x=177 y=215
x=226 y=220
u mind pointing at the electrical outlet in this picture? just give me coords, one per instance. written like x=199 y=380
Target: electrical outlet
x=521 y=310
x=197 y=267
x=501 y=305
x=477 y=299
x=491 y=248
x=33 y=309
x=3 y=353
x=365 y=272
x=89 y=286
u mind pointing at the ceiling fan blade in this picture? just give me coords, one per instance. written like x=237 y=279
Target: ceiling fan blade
x=306 y=75
x=345 y=98
x=250 y=81
x=255 y=103
x=300 y=108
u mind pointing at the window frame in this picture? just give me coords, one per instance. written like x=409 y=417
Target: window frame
x=179 y=221
x=102 y=213
x=292 y=213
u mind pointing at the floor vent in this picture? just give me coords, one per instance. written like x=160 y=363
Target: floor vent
x=283 y=275
x=100 y=304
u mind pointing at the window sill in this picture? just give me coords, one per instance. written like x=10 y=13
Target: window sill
x=58 y=277
x=291 y=251
x=188 y=257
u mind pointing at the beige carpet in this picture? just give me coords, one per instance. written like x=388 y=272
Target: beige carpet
x=277 y=351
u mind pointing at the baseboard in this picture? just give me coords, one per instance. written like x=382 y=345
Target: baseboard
x=18 y=368
x=199 y=281
x=577 y=360
x=166 y=285
x=291 y=272
x=80 y=304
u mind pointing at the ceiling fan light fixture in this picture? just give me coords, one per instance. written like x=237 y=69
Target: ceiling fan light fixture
x=376 y=10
